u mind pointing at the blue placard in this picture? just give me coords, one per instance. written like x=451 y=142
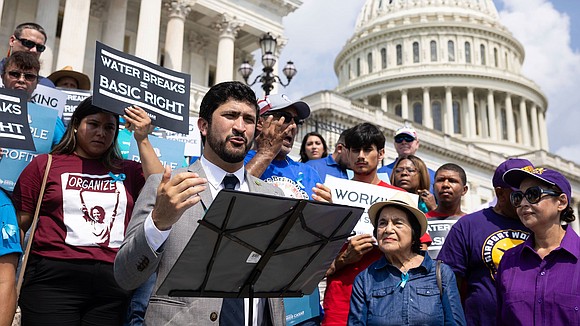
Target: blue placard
x=42 y=122
x=169 y=152
x=300 y=309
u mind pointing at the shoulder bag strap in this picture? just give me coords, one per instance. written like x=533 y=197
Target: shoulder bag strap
x=33 y=226
x=438 y=276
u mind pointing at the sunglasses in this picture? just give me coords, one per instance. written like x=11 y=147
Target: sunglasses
x=409 y=170
x=533 y=195
x=18 y=74
x=399 y=139
x=29 y=44
x=288 y=117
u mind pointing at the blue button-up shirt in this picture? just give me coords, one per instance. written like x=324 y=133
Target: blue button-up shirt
x=378 y=299
x=328 y=166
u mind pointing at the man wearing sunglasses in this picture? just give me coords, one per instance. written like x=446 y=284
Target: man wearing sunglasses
x=29 y=37
x=406 y=143
x=278 y=126
x=475 y=245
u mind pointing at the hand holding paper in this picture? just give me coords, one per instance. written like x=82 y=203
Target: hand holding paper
x=322 y=193
x=175 y=195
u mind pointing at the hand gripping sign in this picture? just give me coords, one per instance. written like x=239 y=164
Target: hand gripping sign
x=122 y=80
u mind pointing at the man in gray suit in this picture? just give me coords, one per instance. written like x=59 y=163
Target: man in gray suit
x=169 y=206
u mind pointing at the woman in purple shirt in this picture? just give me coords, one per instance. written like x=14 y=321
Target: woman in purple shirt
x=538 y=282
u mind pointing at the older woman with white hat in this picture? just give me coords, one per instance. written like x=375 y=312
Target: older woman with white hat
x=405 y=287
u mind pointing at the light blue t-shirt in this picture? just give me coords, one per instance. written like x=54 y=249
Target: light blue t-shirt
x=10 y=231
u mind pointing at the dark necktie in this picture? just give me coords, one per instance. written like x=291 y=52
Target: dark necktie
x=232 y=308
x=230 y=181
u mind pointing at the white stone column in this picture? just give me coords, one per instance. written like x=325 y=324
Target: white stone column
x=543 y=130
x=535 y=129
x=509 y=112
x=115 y=24
x=47 y=17
x=470 y=123
x=178 y=10
x=427 y=116
x=228 y=28
x=147 y=43
x=1 y=9
x=384 y=103
x=404 y=104
x=448 y=112
x=524 y=122
x=73 y=39
x=483 y=119
x=492 y=121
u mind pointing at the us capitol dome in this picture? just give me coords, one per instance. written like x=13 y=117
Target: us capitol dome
x=451 y=70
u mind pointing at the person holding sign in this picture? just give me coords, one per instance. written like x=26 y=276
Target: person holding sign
x=20 y=72
x=89 y=198
x=405 y=286
x=365 y=143
x=171 y=204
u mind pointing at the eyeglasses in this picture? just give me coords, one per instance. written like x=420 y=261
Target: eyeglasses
x=288 y=117
x=29 y=44
x=533 y=195
x=14 y=74
x=409 y=170
x=408 y=138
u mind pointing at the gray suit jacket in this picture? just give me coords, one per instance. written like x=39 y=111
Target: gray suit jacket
x=136 y=261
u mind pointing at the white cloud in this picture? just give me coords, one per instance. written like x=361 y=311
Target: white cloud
x=316 y=32
x=552 y=64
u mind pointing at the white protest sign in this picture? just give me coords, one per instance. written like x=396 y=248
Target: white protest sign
x=192 y=140
x=359 y=194
x=49 y=97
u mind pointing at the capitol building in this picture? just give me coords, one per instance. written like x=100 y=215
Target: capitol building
x=448 y=68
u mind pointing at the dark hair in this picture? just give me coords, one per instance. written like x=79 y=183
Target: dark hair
x=303 y=157
x=223 y=92
x=415 y=227
x=363 y=135
x=453 y=167
x=18 y=30
x=567 y=215
x=67 y=145
x=424 y=178
x=23 y=60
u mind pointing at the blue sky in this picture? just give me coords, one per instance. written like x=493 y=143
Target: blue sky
x=548 y=29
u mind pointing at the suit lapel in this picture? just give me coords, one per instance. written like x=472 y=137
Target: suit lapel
x=206 y=197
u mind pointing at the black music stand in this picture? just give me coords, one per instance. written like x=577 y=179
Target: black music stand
x=255 y=245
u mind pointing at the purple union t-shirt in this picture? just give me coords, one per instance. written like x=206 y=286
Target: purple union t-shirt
x=473 y=249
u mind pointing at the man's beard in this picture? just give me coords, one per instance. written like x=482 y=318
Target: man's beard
x=229 y=156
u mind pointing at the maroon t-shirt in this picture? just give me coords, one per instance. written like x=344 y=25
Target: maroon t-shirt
x=86 y=206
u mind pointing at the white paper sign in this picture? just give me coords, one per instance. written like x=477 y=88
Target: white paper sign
x=192 y=140
x=359 y=194
x=49 y=97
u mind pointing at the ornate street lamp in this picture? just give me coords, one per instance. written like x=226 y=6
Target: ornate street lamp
x=267 y=78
